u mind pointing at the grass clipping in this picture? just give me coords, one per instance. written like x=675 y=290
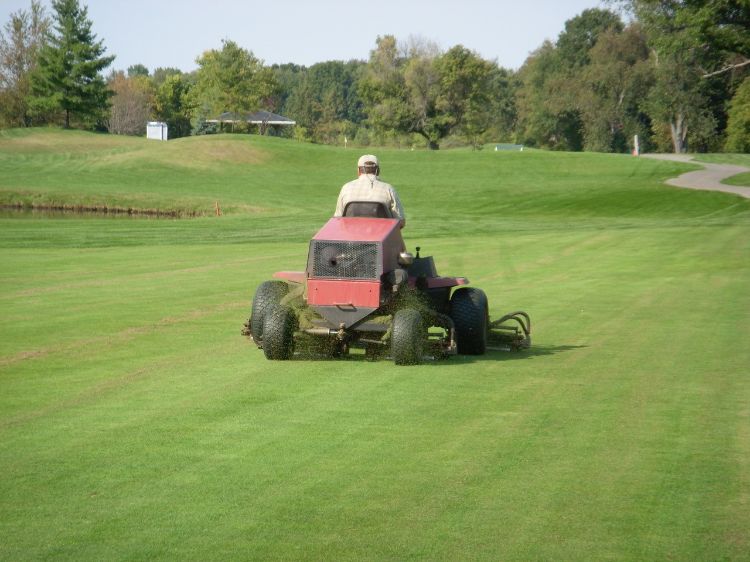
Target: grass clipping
x=312 y=345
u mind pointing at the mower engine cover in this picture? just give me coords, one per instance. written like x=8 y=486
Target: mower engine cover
x=347 y=265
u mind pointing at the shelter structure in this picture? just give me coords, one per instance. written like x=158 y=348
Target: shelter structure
x=264 y=120
x=157 y=130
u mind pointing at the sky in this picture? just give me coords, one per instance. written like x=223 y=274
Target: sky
x=173 y=33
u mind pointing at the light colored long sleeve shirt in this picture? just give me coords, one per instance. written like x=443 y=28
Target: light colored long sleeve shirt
x=369 y=188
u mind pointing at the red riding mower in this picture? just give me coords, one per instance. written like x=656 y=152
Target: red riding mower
x=361 y=288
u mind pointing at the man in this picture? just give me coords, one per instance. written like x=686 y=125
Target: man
x=368 y=188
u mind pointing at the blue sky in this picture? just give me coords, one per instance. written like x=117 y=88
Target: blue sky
x=175 y=32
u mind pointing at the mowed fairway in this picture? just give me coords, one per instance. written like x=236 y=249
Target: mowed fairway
x=137 y=423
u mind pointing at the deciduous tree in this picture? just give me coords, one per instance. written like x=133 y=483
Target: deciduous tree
x=384 y=91
x=581 y=34
x=544 y=115
x=173 y=105
x=464 y=96
x=20 y=41
x=233 y=79
x=420 y=91
x=137 y=70
x=552 y=93
x=131 y=104
x=614 y=86
x=325 y=100
x=694 y=44
x=738 y=127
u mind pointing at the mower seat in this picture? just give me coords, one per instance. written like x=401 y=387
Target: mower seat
x=371 y=209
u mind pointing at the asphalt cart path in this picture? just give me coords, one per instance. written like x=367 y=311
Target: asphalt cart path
x=709 y=178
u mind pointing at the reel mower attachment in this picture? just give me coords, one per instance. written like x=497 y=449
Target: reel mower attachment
x=511 y=332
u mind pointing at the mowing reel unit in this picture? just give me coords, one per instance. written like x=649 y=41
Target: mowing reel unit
x=512 y=332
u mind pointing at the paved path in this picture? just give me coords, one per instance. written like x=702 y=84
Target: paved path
x=708 y=178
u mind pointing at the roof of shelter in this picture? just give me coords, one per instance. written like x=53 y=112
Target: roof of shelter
x=257 y=118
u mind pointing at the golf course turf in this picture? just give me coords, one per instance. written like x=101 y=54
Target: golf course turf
x=137 y=423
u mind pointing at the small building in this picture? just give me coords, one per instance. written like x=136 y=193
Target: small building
x=156 y=130
x=263 y=119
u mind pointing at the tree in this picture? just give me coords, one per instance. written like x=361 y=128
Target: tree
x=324 y=99
x=420 y=91
x=695 y=45
x=161 y=73
x=234 y=80
x=68 y=76
x=421 y=77
x=173 y=105
x=20 y=41
x=738 y=127
x=582 y=33
x=131 y=104
x=552 y=95
x=137 y=70
x=614 y=85
x=502 y=109
x=545 y=117
x=464 y=92
x=716 y=32
x=384 y=91
x=678 y=99
x=289 y=76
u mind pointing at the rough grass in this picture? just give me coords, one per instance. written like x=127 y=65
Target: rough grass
x=136 y=423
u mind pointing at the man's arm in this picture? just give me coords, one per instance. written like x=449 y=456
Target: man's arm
x=397 y=208
x=339 y=212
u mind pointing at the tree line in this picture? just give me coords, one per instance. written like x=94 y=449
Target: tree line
x=673 y=72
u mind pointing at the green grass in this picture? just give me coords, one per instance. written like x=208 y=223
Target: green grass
x=136 y=423
x=720 y=158
x=739 y=179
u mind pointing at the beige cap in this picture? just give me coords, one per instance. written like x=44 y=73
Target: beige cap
x=368 y=158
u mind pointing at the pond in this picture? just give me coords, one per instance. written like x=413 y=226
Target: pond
x=13 y=212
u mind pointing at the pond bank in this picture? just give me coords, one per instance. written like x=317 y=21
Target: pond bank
x=52 y=211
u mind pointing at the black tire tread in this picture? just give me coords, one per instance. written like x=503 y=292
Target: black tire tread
x=279 y=326
x=470 y=317
x=407 y=337
x=268 y=294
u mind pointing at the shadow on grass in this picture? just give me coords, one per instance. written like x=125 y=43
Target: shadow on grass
x=535 y=351
x=493 y=354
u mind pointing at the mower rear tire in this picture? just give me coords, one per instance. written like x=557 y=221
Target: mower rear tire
x=268 y=294
x=470 y=315
x=407 y=337
x=279 y=326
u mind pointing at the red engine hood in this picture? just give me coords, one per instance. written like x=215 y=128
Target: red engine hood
x=357 y=229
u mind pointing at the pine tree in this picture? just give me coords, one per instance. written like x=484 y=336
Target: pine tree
x=68 y=75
